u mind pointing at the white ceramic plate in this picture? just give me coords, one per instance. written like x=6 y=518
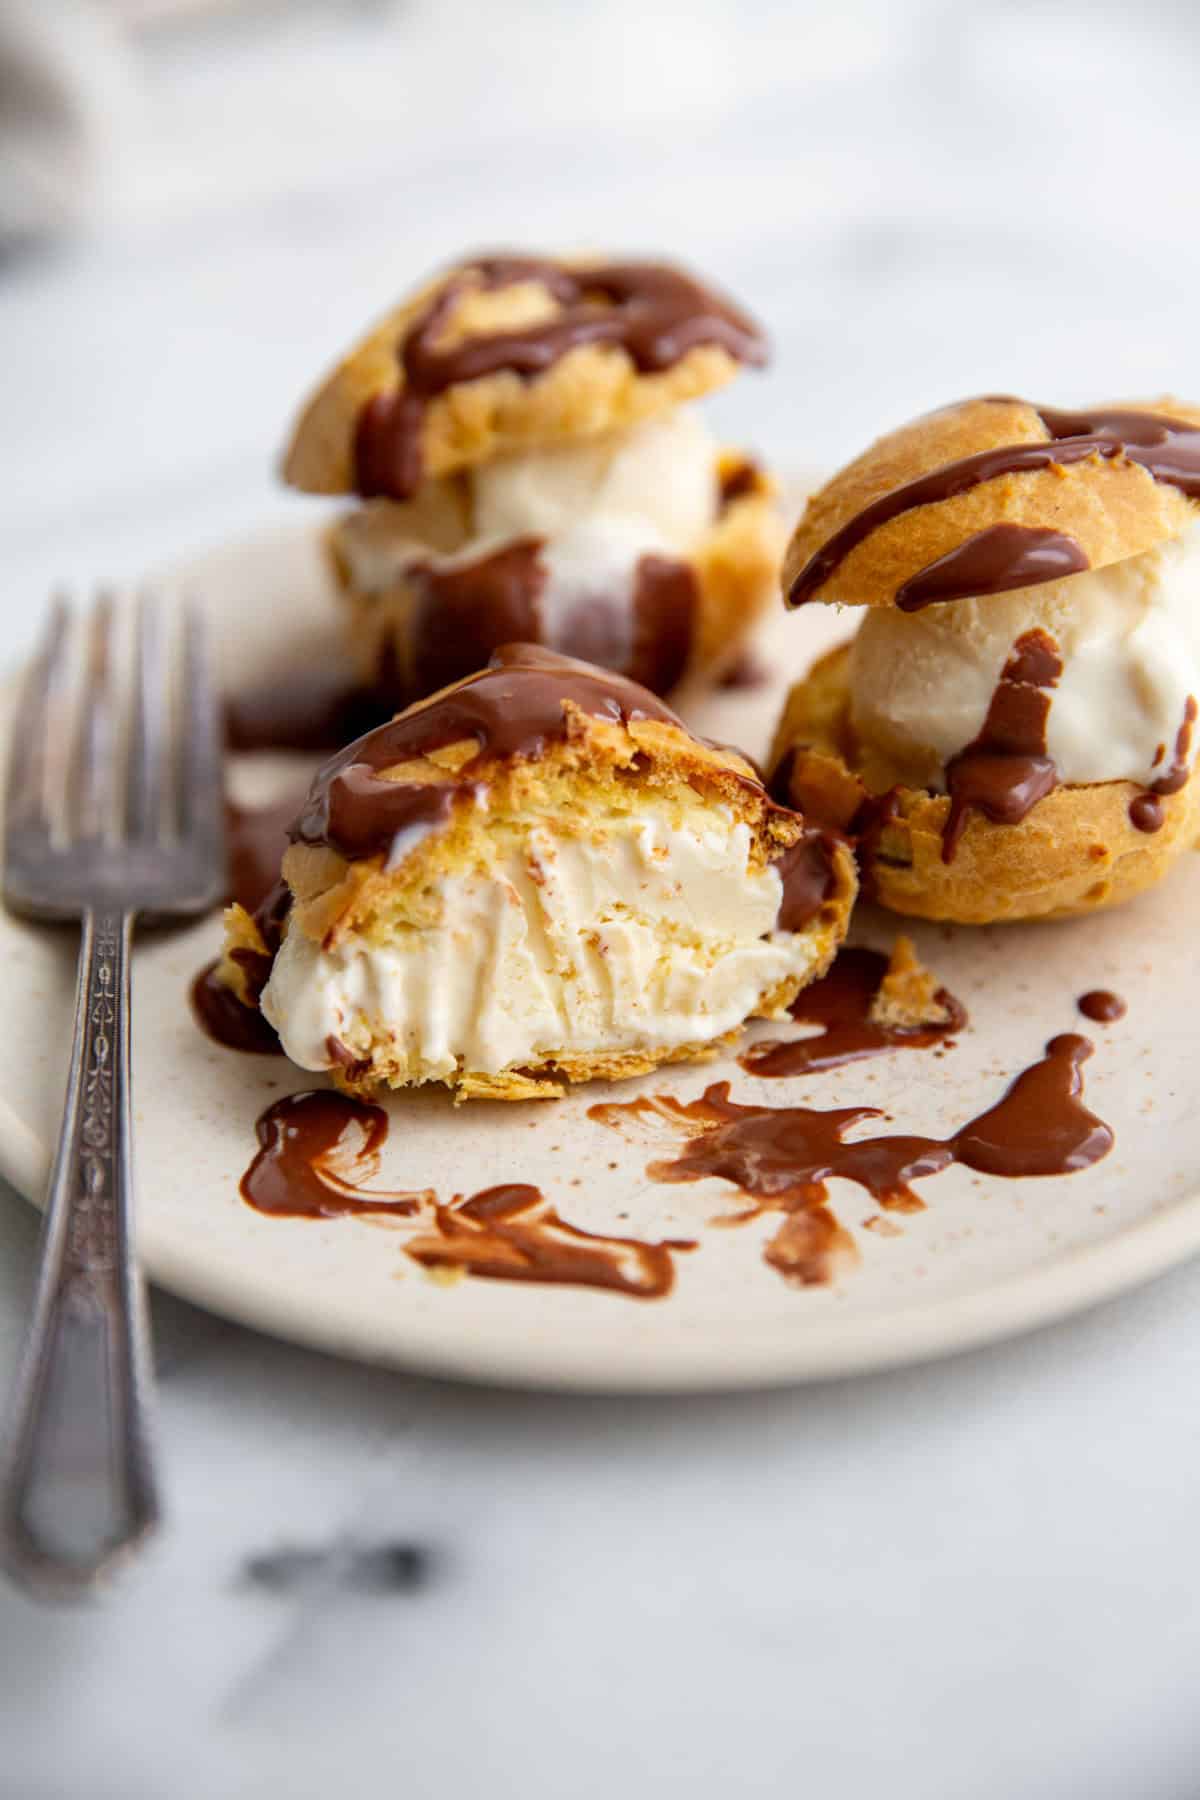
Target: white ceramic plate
x=986 y=1259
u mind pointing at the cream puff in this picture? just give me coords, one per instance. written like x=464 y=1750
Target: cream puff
x=527 y=468
x=537 y=876
x=1010 y=731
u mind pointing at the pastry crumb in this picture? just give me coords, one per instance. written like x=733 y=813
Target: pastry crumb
x=909 y=994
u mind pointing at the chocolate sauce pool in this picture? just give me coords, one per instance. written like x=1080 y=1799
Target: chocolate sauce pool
x=780 y=1158
x=318 y=1149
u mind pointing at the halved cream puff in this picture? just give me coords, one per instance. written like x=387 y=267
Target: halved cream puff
x=537 y=876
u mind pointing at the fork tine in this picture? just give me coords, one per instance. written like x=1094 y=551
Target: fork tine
x=144 y=787
x=28 y=800
x=89 y=780
x=201 y=792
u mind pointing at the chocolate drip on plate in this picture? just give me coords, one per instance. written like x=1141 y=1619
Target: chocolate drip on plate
x=780 y=1158
x=226 y=1020
x=1006 y=771
x=1168 y=449
x=1102 y=1006
x=318 y=1149
x=655 y=314
x=992 y=562
x=841 y=1003
x=463 y=611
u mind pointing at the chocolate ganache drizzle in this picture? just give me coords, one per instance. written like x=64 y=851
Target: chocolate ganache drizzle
x=991 y=562
x=655 y=314
x=1168 y=449
x=841 y=1004
x=513 y=708
x=1006 y=771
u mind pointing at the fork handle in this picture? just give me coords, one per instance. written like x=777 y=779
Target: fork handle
x=77 y=1487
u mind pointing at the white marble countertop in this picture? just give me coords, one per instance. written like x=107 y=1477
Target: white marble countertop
x=976 y=1578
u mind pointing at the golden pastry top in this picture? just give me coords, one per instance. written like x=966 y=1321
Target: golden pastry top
x=506 y=353
x=993 y=494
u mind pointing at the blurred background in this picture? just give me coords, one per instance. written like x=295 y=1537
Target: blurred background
x=200 y=202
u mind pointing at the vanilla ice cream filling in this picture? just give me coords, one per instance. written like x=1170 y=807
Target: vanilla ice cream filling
x=646 y=935
x=1129 y=639
x=598 y=507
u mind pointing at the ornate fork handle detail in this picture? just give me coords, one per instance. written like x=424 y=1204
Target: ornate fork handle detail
x=80 y=1488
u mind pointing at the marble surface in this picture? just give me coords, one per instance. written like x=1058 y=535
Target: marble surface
x=971 y=1578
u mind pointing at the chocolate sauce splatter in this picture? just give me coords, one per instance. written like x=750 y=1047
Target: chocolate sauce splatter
x=655 y=314
x=840 y=1002
x=513 y=1233
x=317 y=1149
x=1005 y=771
x=1168 y=449
x=1146 y=810
x=1102 y=1006
x=780 y=1158
x=992 y=562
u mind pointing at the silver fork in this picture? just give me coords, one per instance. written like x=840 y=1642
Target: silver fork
x=117 y=815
